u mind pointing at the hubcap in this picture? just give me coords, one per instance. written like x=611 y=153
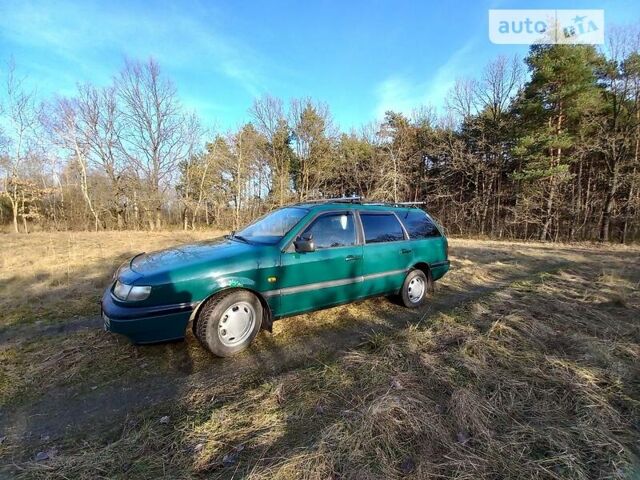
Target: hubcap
x=415 y=291
x=236 y=324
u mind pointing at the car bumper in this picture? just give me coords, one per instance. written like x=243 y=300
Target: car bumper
x=146 y=324
x=439 y=269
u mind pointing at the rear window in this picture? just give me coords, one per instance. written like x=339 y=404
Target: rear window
x=418 y=224
x=381 y=228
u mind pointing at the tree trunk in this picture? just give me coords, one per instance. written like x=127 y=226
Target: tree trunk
x=628 y=207
x=608 y=205
x=636 y=156
x=119 y=219
x=14 y=210
x=548 y=217
x=136 y=211
x=23 y=214
x=552 y=192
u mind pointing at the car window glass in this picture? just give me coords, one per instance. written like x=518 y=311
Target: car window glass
x=418 y=224
x=273 y=226
x=381 y=228
x=333 y=230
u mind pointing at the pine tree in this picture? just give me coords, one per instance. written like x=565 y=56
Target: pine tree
x=562 y=90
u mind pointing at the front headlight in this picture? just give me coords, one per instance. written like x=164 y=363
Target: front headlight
x=121 y=290
x=131 y=293
x=139 y=293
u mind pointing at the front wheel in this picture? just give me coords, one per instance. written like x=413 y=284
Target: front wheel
x=229 y=322
x=415 y=289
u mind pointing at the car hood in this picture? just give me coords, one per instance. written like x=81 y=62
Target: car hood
x=185 y=257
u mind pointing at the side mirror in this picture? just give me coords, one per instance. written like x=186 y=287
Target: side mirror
x=305 y=244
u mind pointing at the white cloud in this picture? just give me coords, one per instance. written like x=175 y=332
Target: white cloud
x=400 y=93
x=395 y=93
x=81 y=33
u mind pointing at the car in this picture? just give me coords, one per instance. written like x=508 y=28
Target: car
x=296 y=259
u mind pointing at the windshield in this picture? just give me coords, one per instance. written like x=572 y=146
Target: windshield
x=273 y=226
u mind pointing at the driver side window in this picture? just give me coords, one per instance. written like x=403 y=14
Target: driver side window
x=333 y=230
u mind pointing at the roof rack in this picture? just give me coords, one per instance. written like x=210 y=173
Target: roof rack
x=359 y=200
x=353 y=199
x=397 y=204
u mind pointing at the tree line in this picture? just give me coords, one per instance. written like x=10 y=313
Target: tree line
x=546 y=148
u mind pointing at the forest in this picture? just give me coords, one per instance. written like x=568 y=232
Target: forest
x=546 y=148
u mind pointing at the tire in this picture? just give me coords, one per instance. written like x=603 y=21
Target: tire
x=229 y=322
x=415 y=289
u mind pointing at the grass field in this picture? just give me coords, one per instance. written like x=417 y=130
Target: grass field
x=525 y=364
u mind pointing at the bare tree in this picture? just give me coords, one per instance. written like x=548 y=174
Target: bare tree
x=268 y=115
x=99 y=118
x=461 y=100
x=155 y=134
x=500 y=82
x=202 y=184
x=313 y=134
x=21 y=118
x=72 y=136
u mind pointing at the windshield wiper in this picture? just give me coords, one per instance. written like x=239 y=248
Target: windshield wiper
x=241 y=238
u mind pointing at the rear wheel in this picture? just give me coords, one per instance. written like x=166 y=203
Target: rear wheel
x=229 y=322
x=415 y=289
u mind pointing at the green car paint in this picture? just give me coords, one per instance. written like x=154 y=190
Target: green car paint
x=287 y=282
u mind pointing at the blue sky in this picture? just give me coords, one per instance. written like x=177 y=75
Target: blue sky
x=360 y=57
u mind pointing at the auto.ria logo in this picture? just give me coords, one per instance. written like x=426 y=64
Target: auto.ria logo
x=546 y=26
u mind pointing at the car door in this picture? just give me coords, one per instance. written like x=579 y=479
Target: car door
x=331 y=274
x=387 y=253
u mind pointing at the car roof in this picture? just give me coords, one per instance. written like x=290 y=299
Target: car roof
x=325 y=206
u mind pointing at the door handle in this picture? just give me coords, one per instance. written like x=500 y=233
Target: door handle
x=405 y=250
x=351 y=258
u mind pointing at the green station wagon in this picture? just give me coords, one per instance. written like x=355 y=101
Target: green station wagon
x=296 y=259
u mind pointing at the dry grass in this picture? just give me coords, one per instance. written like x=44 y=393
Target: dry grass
x=47 y=276
x=535 y=375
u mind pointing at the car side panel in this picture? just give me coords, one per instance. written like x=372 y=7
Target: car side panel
x=431 y=251
x=385 y=266
x=196 y=281
x=314 y=280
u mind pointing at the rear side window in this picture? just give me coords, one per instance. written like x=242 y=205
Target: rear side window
x=333 y=230
x=418 y=224
x=381 y=228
